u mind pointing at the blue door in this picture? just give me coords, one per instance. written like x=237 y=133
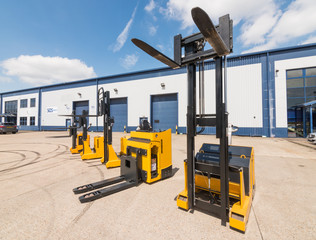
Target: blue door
x=164 y=112
x=78 y=107
x=68 y=123
x=118 y=110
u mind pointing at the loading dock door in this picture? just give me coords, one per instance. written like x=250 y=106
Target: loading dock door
x=78 y=107
x=118 y=109
x=164 y=112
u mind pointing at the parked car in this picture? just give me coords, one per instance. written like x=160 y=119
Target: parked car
x=8 y=127
x=311 y=137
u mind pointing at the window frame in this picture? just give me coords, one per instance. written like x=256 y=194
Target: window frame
x=31 y=101
x=22 y=121
x=32 y=121
x=23 y=103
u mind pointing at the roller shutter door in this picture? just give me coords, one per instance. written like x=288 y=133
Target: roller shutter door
x=79 y=107
x=164 y=112
x=118 y=109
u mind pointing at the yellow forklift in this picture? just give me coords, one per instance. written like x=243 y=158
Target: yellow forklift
x=146 y=158
x=78 y=139
x=219 y=179
x=108 y=157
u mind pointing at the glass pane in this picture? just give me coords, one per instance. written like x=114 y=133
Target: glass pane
x=294 y=73
x=310 y=91
x=292 y=83
x=309 y=99
x=11 y=106
x=294 y=101
x=295 y=92
x=32 y=102
x=23 y=103
x=310 y=81
x=310 y=71
x=291 y=115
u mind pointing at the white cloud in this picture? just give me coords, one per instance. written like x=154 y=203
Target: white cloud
x=264 y=24
x=39 y=70
x=129 y=61
x=296 y=21
x=121 y=39
x=255 y=31
x=4 y=79
x=150 y=6
x=181 y=10
x=310 y=40
x=256 y=17
x=153 y=30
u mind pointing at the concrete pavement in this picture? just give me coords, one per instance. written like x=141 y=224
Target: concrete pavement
x=38 y=173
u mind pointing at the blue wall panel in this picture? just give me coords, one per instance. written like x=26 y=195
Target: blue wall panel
x=29 y=128
x=164 y=112
x=118 y=109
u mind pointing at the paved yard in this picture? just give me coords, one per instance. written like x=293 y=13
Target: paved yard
x=38 y=173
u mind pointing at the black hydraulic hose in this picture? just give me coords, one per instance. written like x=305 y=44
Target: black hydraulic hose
x=201 y=131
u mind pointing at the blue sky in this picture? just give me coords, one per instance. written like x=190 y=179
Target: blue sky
x=51 y=41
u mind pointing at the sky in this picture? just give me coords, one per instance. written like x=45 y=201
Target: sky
x=45 y=42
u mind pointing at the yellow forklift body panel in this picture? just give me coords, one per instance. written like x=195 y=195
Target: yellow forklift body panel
x=79 y=145
x=113 y=161
x=97 y=152
x=182 y=199
x=158 y=147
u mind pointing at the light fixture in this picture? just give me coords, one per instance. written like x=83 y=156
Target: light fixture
x=162 y=85
x=79 y=94
x=276 y=72
x=115 y=90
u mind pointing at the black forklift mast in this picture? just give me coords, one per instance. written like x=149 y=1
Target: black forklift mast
x=73 y=130
x=84 y=124
x=221 y=41
x=76 y=124
x=104 y=110
x=221 y=126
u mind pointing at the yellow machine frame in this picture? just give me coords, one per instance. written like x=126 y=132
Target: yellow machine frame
x=79 y=145
x=98 y=152
x=239 y=211
x=156 y=144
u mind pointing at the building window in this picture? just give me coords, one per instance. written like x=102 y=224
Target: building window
x=23 y=103
x=301 y=88
x=32 y=102
x=23 y=121
x=11 y=107
x=32 y=121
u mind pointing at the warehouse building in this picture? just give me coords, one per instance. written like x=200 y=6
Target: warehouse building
x=269 y=93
